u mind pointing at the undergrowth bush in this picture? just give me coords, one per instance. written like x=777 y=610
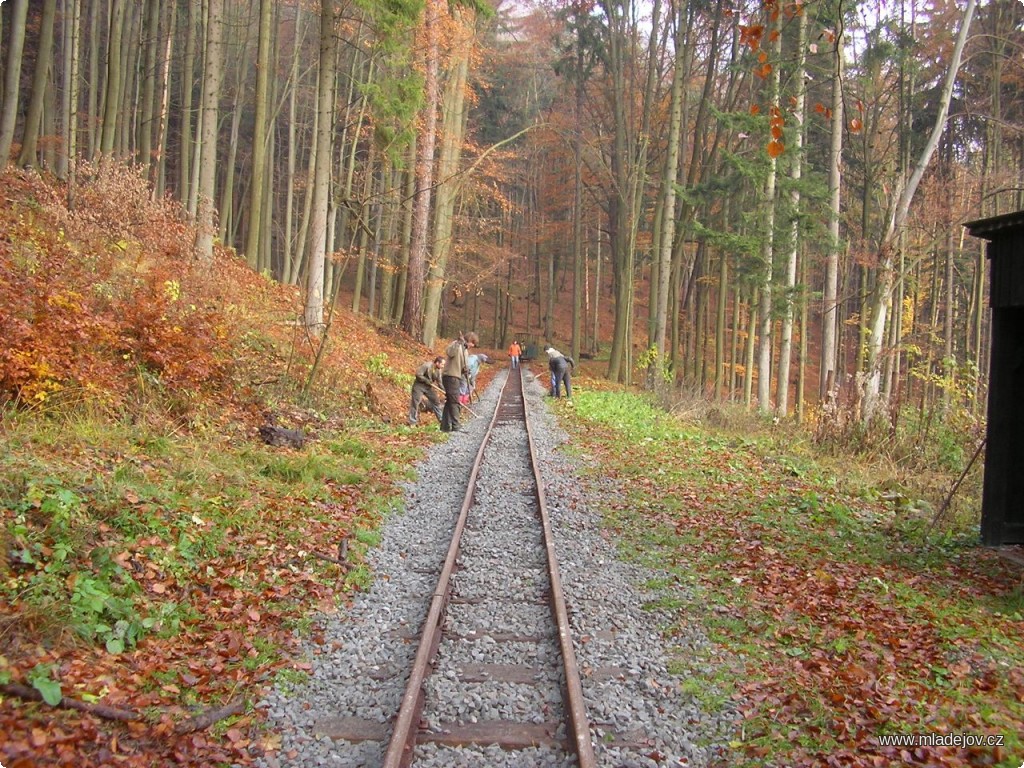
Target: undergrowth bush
x=62 y=577
x=87 y=316
x=924 y=449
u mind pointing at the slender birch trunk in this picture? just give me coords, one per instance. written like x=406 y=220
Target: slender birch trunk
x=872 y=407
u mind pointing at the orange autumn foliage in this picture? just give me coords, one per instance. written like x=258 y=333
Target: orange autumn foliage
x=95 y=296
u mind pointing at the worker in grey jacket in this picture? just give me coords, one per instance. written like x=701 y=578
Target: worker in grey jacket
x=427 y=384
x=560 y=367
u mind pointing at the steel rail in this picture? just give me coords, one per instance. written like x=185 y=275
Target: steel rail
x=574 y=687
x=403 y=738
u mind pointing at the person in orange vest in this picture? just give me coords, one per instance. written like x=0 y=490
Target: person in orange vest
x=514 y=352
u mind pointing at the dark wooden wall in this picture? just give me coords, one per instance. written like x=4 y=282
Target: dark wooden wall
x=1002 y=509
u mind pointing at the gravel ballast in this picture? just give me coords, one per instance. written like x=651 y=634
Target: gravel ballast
x=637 y=712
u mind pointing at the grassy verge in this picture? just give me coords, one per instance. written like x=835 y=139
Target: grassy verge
x=168 y=573
x=841 y=624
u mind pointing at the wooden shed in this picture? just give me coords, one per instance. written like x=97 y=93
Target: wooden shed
x=1002 y=506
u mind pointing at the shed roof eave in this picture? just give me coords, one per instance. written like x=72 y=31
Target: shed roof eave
x=995 y=224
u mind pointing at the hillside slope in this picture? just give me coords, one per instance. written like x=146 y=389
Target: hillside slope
x=158 y=558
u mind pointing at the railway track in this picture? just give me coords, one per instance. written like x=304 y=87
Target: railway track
x=489 y=690
x=495 y=679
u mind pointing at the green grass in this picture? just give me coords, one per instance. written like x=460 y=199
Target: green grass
x=741 y=520
x=136 y=507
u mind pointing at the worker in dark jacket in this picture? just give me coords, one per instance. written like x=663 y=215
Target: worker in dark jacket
x=560 y=367
x=427 y=384
x=456 y=371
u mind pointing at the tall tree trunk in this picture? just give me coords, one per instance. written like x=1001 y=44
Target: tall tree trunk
x=549 y=290
x=265 y=264
x=187 y=77
x=47 y=155
x=364 y=226
x=666 y=238
x=228 y=215
x=127 y=101
x=597 y=287
x=412 y=317
x=206 y=225
x=70 y=18
x=12 y=79
x=764 y=352
x=288 y=273
x=112 y=89
x=160 y=161
x=830 y=318
x=405 y=239
x=389 y=218
x=260 y=132
x=886 y=270
x=801 y=386
x=579 y=286
x=71 y=146
x=948 y=362
x=628 y=164
x=453 y=130
x=796 y=170
x=720 y=321
x=734 y=345
x=748 y=353
x=314 y=308
x=149 y=84
x=44 y=60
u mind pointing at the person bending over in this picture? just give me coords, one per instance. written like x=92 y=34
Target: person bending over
x=561 y=368
x=426 y=385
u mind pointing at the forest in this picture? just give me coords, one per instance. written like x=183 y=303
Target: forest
x=217 y=215
x=768 y=197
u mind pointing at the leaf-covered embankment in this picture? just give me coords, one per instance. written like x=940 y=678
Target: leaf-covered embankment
x=159 y=560
x=841 y=622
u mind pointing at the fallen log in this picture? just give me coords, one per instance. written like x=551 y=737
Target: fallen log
x=209 y=717
x=330 y=559
x=100 y=710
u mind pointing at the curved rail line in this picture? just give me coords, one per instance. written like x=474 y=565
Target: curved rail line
x=511 y=405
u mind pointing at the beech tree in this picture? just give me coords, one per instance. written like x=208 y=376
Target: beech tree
x=12 y=78
x=260 y=132
x=314 y=307
x=212 y=67
x=412 y=313
x=30 y=135
x=829 y=349
x=888 y=250
x=453 y=131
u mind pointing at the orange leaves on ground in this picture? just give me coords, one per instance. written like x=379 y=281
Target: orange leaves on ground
x=846 y=655
x=106 y=299
x=81 y=310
